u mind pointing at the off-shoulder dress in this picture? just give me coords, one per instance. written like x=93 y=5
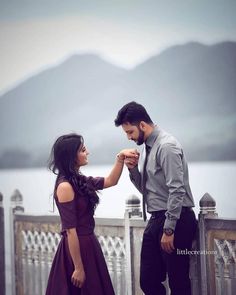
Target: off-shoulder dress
x=76 y=214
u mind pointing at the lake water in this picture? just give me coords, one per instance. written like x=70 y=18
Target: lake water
x=36 y=187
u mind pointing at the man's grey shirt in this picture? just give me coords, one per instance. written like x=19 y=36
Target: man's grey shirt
x=167 y=180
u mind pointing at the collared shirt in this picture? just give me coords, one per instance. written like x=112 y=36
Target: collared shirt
x=166 y=180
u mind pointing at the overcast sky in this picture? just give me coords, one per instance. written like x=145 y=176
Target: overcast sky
x=37 y=34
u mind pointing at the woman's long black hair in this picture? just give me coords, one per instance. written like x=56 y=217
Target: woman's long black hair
x=63 y=163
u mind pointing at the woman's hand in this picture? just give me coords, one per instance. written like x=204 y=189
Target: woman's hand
x=130 y=157
x=114 y=176
x=128 y=153
x=78 y=277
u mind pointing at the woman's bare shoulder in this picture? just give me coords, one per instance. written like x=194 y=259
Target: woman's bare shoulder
x=65 y=192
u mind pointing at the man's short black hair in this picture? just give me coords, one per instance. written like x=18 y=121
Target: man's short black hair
x=132 y=113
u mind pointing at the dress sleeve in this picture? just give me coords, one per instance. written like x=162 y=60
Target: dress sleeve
x=68 y=214
x=96 y=182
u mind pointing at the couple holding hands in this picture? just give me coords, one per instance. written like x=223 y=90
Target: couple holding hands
x=79 y=266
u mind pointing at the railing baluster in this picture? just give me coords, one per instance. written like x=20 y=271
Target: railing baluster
x=37 y=237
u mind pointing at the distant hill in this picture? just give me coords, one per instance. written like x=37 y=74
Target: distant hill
x=190 y=90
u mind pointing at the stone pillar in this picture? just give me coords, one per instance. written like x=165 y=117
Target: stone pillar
x=207 y=210
x=207 y=206
x=17 y=202
x=2 y=248
x=133 y=207
x=16 y=207
x=132 y=211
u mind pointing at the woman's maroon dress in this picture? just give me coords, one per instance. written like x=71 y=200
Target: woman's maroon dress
x=76 y=214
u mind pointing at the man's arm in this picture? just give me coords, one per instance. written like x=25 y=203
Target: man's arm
x=134 y=174
x=171 y=163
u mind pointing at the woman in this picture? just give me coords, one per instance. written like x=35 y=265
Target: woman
x=79 y=266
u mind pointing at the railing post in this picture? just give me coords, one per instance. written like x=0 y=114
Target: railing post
x=133 y=207
x=207 y=209
x=2 y=248
x=132 y=210
x=16 y=207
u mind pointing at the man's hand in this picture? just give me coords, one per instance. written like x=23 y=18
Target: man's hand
x=130 y=157
x=167 y=243
x=131 y=162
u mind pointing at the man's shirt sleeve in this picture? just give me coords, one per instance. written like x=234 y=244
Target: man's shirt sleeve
x=135 y=177
x=171 y=163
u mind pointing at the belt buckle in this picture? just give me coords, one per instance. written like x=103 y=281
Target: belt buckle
x=153 y=215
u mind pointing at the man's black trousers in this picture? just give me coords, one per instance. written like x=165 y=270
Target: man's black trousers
x=155 y=263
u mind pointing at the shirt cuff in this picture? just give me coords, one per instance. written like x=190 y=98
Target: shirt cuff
x=134 y=171
x=170 y=223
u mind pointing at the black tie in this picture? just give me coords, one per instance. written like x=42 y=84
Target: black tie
x=147 y=148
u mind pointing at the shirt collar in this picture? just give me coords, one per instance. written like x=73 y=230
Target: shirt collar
x=152 y=137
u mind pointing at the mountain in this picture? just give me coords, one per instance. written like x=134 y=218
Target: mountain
x=188 y=89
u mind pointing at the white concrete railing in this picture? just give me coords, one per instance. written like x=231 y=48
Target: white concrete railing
x=35 y=239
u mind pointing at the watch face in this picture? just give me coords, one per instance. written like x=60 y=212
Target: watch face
x=168 y=231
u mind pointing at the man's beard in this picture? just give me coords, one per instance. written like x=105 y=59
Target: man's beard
x=140 y=139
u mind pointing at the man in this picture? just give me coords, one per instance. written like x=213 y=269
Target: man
x=163 y=180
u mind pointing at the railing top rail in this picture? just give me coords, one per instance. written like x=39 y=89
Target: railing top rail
x=220 y=224
x=119 y=222
x=36 y=218
x=138 y=223
x=56 y=219
x=109 y=221
x=46 y=218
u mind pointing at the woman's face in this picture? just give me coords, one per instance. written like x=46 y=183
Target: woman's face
x=82 y=154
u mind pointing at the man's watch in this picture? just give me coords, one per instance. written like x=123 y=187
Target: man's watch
x=168 y=231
